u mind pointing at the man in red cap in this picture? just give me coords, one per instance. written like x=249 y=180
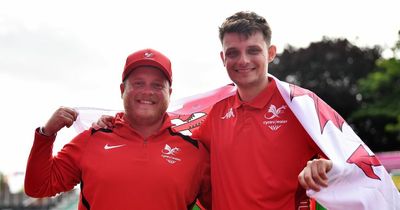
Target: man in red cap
x=142 y=163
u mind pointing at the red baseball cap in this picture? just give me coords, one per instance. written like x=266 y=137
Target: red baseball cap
x=148 y=57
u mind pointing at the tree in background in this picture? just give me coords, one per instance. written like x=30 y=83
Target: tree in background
x=330 y=68
x=379 y=116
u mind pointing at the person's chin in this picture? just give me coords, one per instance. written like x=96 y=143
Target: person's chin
x=148 y=115
x=242 y=83
x=145 y=114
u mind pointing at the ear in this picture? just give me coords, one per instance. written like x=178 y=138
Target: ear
x=122 y=88
x=271 y=53
x=221 y=54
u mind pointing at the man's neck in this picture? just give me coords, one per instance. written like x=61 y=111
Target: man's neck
x=145 y=128
x=250 y=92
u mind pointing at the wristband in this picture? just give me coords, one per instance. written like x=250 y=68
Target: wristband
x=42 y=132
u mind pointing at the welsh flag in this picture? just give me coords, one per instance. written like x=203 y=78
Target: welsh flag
x=357 y=180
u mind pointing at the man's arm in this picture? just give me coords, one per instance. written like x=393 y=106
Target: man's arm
x=47 y=175
x=204 y=196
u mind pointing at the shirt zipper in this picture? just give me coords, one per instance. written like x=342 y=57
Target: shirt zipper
x=145 y=152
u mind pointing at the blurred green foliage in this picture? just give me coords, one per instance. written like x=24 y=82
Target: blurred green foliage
x=380 y=92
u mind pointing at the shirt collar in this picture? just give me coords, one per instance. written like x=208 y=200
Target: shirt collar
x=119 y=120
x=261 y=100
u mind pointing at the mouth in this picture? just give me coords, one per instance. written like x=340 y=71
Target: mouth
x=244 y=70
x=146 y=102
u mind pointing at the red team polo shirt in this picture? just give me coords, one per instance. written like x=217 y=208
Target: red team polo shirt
x=120 y=170
x=257 y=149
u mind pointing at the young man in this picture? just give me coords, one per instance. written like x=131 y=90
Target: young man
x=256 y=163
x=141 y=164
x=261 y=139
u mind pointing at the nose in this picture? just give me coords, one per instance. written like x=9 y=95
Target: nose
x=243 y=59
x=148 y=89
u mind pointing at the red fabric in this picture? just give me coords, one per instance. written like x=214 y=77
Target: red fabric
x=148 y=57
x=140 y=174
x=257 y=151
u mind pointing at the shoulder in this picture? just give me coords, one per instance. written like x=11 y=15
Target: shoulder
x=222 y=105
x=87 y=135
x=186 y=138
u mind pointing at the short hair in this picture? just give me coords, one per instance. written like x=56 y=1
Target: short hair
x=246 y=23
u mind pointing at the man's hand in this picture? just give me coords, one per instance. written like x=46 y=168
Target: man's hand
x=314 y=175
x=63 y=116
x=105 y=121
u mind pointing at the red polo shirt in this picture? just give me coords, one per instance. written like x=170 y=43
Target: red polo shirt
x=118 y=169
x=257 y=149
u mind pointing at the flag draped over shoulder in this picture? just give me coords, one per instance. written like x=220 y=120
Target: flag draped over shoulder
x=357 y=179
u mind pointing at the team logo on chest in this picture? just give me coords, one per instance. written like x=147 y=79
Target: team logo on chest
x=273 y=116
x=169 y=154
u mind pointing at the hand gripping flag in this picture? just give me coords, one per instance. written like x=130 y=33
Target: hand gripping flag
x=357 y=179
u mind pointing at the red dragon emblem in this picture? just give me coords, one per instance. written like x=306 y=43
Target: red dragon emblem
x=364 y=161
x=324 y=111
x=185 y=124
